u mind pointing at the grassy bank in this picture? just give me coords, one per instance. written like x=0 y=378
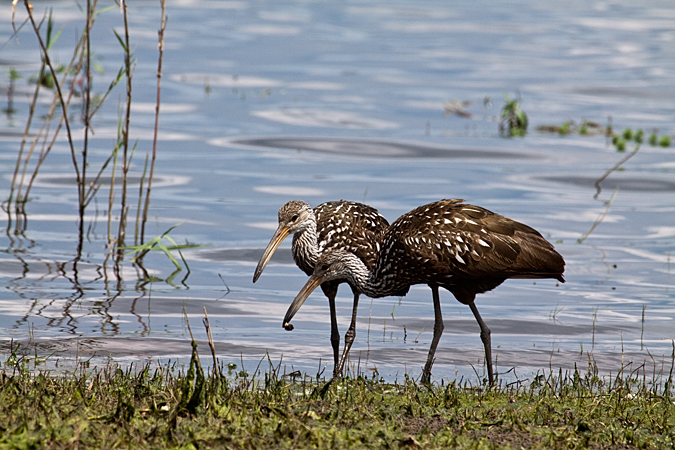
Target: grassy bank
x=171 y=407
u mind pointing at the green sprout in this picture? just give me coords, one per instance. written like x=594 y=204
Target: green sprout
x=639 y=136
x=566 y=128
x=157 y=244
x=620 y=145
x=514 y=119
x=664 y=141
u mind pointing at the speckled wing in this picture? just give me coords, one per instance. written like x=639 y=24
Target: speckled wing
x=351 y=226
x=448 y=240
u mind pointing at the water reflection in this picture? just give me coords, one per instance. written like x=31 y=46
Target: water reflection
x=371 y=148
x=325 y=118
x=282 y=255
x=61 y=180
x=627 y=183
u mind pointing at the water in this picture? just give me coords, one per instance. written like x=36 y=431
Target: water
x=265 y=102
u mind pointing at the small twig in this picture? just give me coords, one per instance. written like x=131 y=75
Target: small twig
x=599 y=219
x=642 y=333
x=126 y=158
x=140 y=199
x=418 y=335
x=187 y=321
x=595 y=318
x=46 y=125
x=669 y=382
x=226 y=286
x=192 y=338
x=612 y=169
x=87 y=104
x=154 y=141
x=57 y=85
x=111 y=198
x=216 y=369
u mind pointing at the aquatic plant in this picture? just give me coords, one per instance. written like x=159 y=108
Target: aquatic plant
x=156 y=244
x=513 y=119
x=618 y=140
x=72 y=85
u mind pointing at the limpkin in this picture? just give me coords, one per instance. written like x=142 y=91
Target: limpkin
x=351 y=226
x=463 y=248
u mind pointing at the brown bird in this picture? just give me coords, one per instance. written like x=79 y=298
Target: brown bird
x=351 y=226
x=463 y=248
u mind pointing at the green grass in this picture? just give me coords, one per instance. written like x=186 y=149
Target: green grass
x=173 y=407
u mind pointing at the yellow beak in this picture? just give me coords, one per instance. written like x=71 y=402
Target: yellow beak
x=313 y=283
x=278 y=237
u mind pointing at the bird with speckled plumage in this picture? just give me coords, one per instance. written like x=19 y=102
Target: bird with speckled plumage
x=351 y=226
x=463 y=248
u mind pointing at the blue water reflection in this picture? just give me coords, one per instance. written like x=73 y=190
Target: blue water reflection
x=264 y=102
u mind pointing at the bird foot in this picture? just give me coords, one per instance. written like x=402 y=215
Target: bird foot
x=288 y=326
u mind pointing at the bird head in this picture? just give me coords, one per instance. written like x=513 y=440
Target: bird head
x=331 y=265
x=294 y=217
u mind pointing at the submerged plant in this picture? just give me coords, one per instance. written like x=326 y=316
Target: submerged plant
x=513 y=119
x=13 y=76
x=628 y=135
x=156 y=244
x=587 y=128
x=71 y=86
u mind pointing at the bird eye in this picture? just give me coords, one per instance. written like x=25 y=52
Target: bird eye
x=324 y=267
x=294 y=218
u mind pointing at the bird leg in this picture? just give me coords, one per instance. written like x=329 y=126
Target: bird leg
x=334 y=333
x=349 y=336
x=438 y=331
x=485 y=337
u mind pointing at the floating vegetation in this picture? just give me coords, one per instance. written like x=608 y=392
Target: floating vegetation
x=619 y=140
x=513 y=119
x=586 y=128
x=457 y=108
x=628 y=135
x=664 y=141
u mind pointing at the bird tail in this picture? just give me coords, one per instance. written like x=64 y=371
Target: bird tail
x=539 y=259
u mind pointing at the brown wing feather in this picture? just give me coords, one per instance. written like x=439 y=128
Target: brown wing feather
x=351 y=226
x=448 y=243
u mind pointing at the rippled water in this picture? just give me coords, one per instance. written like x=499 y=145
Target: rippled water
x=265 y=102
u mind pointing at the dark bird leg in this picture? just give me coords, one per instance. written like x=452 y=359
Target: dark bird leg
x=330 y=291
x=334 y=334
x=349 y=335
x=438 y=331
x=485 y=337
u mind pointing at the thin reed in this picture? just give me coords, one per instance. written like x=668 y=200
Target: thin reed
x=74 y=88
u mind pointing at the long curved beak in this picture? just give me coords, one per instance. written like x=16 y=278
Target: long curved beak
x=313 y=283
x=278 y=237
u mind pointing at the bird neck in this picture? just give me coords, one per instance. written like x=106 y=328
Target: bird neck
x=365 y=280
x=305 y=247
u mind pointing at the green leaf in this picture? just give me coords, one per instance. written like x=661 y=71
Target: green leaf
x=121 y=41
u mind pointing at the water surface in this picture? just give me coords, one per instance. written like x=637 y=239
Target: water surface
x=265 y=102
